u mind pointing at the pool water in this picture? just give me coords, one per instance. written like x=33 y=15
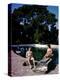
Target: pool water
x=38 y=53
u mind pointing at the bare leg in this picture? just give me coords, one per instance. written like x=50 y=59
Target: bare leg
x=29 y=62
x=33 y=62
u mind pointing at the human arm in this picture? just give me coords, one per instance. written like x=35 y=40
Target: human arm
x=26 y=54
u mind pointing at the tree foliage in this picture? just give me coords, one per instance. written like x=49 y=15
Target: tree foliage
x=30 y=24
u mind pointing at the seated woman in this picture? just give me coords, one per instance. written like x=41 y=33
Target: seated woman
x=48 y=55
x=30 y=58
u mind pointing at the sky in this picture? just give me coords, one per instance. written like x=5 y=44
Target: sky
x=52 y=9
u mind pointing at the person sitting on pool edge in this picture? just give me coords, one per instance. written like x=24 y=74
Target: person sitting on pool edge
x=48 y=54
x=30 y=58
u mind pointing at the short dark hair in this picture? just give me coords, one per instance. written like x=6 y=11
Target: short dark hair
x=49 y=46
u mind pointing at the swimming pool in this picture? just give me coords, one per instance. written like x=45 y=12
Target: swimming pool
x=38 y=53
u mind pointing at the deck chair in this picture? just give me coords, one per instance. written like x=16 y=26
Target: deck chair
x=42 y=67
